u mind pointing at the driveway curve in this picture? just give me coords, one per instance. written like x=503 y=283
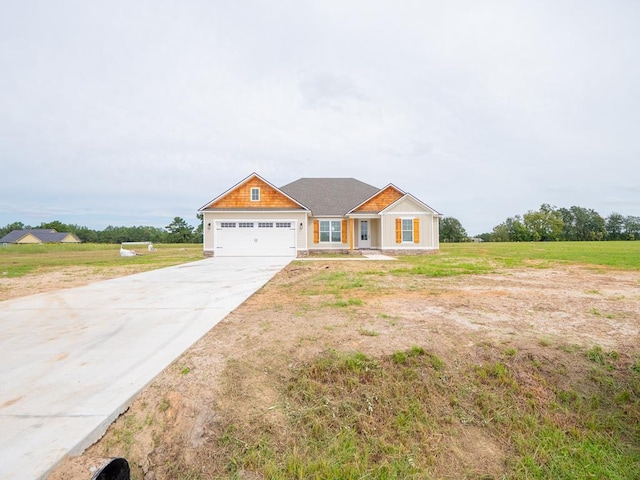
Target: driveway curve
x=71 y=361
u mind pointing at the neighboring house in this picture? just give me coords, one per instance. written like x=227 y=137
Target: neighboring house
x=38 y=235
x=256 y=218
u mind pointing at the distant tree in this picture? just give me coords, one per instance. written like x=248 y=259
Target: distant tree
x=113 y=234
x=485 y=237
x=154 y=234
x=593 y=227
x=517 y=230
x=11 y=227
x=615 y=225
x=511 y=230
x=57 y=226
x=451 y=230
x=568 y=224
x=545 y=224
x=85 y=234
x=632 y=228
x=179 y=231
x=198 y=234
x=582 y=224
x=500 y=233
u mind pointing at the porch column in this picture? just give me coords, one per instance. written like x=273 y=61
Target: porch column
x=351 y=232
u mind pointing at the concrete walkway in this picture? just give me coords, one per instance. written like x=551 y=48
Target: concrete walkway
x=71 y=361
x=349 y=258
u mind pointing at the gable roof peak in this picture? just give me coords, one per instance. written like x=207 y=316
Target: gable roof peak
x=415 y=200
x=287 y=200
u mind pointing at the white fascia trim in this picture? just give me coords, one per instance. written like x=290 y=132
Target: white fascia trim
x=375 y=194
x=253 y=212
x=408 y=214
x=414 y=199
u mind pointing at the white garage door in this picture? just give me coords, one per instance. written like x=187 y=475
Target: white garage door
x=253 y=238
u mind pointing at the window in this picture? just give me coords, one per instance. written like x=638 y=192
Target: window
x=331 y=231
x=228 y=225
x=245 y=224
x=283 y=224
x=407 y=230
x=265 y=224
x=255 y=194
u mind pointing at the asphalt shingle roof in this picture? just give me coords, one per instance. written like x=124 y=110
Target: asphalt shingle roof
x=43 y=234
x=329 y=196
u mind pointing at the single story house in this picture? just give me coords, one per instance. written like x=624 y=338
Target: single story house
x=38 y=235
x=256 y=218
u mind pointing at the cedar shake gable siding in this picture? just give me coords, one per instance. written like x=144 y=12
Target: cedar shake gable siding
x=380 y=200
x=240 y=198
x=329 y=196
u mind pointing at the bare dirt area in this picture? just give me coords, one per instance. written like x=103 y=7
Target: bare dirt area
x=49 y=280
x=233 y=373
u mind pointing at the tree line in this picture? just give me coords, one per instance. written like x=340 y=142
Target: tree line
x=551 y=224
x=178 y=231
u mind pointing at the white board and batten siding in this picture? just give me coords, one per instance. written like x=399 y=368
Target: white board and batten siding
x=408 y=208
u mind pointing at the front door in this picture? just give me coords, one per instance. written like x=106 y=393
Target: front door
x=365 y=237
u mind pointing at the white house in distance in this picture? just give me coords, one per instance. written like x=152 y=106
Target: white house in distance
x=256 y=218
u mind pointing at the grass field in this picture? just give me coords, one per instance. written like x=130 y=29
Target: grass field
x=352 y=416
x=625 y=255
x=454 y=258
x=470 y=258
x=19 y=260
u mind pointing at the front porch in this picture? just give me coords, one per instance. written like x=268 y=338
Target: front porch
x=395 y=233
x=365 y=233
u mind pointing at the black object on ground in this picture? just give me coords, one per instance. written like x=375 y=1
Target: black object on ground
x=116 y=469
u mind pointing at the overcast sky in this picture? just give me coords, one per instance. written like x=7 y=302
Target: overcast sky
x=134 y=112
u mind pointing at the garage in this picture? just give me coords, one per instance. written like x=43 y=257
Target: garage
x=255 y=238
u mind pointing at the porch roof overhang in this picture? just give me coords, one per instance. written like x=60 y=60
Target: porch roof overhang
x=319 y=215
x=363 y=215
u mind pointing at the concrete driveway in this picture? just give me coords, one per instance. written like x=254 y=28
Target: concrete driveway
x=71 y=361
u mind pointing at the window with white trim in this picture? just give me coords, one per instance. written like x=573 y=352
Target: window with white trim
x=245 y=224
x=265 y=224
x=227 y=224
x=407 y=230
x=255 y=194
x=331 y=231
x=283 y=224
